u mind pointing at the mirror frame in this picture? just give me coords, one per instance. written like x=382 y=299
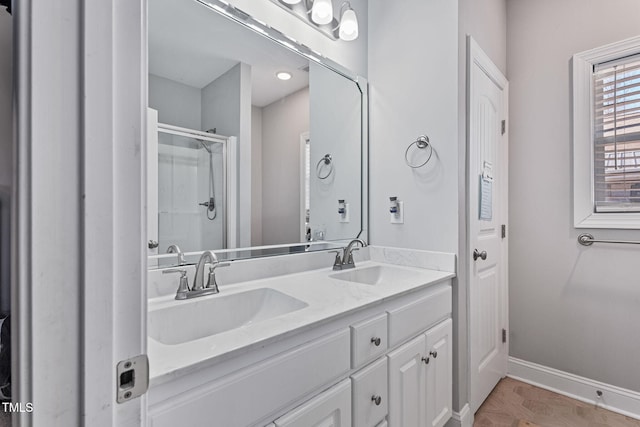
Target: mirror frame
x=233 y=13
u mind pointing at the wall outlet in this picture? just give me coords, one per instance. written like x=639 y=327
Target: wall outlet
x=345 y=217
x=398 y=217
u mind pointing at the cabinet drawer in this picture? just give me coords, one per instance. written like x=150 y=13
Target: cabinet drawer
x=368 y=340
x=251 y=394
x=415 y=317
x=370 y=394
x=329 y=408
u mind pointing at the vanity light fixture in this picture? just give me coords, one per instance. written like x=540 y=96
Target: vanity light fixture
x=322 y=11
x=319 y=15
x=283 y=75
x=348 y=23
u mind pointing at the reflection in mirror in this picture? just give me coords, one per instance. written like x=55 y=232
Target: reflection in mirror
x=253 y=144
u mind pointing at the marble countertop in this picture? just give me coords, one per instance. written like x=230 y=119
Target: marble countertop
x=325 y=298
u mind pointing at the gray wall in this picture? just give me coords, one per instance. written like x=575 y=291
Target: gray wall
x=256 y=176
x=177 y=103
x=335 y=107
x=221 y=103
x=413 y=69
x=571 y=308
x=486 y=22
x=6 y=156
x=282 y=123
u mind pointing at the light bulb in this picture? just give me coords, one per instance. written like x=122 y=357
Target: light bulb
x=349 y=25
x=322 y=11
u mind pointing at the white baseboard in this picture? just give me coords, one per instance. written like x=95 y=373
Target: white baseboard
x=613 y=398
x=464 y=418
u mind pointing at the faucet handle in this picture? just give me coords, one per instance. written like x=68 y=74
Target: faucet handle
x=182 y=271
x=350 y=259
x=183 y=287
x=337 y=263
x=211 y=281
x=218 y=264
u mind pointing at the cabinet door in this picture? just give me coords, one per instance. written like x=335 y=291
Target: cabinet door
x=439 y=375
x=406 y=384
x=331 y=408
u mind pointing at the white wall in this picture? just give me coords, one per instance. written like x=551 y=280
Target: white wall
x=486 y=22
x=177 y=104
x=282 y=123
x=352 y=55
x=6 y=155
x=413 y=68
x=572 y=308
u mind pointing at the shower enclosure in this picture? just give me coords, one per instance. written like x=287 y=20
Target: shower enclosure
x=192 y=189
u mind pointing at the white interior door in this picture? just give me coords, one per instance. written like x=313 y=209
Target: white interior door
x=487 y=213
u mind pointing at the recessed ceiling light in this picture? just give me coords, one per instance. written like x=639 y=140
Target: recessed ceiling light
x=283 y=75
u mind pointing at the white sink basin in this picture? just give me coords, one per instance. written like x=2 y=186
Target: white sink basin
x=377 y=274
x=202 y=317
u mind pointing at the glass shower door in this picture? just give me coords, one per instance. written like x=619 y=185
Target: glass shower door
x=191 y=192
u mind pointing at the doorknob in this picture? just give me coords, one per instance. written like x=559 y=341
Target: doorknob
x=477 y=255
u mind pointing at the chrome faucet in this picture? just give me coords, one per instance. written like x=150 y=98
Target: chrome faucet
x=198 y=280
x=346 y=261
x=175 y=249
x=198 y=289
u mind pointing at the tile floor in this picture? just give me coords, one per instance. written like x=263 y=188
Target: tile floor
x=516 y=404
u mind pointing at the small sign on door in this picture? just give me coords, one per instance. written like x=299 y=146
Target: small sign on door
x=486 y=192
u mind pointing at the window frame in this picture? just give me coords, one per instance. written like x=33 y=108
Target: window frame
x=584 y=215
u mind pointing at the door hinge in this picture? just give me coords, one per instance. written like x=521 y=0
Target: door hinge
x=504 y=126
x=132 y=378
x=504 y=335
x=504 y=230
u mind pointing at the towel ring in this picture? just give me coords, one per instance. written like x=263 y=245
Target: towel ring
x=421 y=143
x=327 y=160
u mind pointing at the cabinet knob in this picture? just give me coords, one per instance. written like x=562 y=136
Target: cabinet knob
x=425 y=360
x=376 y=399
x=376 y=341
x=434 y=354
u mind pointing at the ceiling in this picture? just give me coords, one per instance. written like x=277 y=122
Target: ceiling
x=193 y=45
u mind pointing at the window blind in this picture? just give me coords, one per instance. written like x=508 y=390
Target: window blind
x=616 y=120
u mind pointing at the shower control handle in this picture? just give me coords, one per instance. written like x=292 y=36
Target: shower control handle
x=152 y=244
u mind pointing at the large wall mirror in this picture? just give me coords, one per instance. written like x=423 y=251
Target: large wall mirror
x=253 y=142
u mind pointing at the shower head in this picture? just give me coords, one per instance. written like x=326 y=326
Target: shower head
x=205 y=146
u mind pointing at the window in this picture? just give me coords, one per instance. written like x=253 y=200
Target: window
x=616 y=135
x=606 y=136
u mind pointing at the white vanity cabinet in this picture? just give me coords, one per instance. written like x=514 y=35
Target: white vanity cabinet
x=386 y=365
x=331 y=408
x=420 y=379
